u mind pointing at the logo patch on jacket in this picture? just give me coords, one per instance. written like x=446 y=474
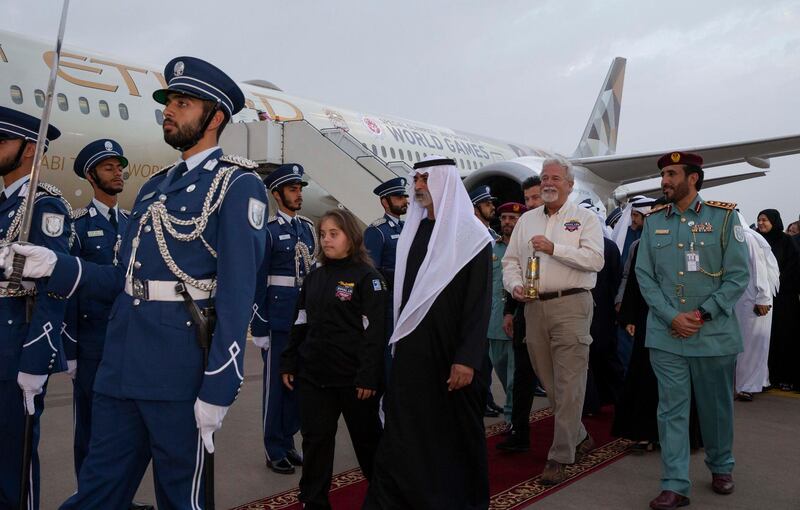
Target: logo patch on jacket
x=344 y=290
x=53 y=224
x=572 y=225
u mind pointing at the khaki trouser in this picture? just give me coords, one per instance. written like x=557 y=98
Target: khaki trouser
x=558 y=339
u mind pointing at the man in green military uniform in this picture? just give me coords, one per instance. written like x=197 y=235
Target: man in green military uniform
x=692 y=267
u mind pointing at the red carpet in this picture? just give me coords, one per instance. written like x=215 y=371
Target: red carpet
x=513 y=478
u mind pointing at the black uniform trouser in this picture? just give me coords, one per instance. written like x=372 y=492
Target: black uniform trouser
x=525 y=381
x=320 y=409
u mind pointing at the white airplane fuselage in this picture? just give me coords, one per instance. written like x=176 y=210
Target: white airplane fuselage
x=104 y=97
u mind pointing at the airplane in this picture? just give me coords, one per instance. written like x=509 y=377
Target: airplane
x=99 y=96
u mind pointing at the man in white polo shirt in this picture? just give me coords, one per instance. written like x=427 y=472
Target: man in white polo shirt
x=569 y=241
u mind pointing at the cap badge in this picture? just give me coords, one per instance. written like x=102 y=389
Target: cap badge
x=178 y=69
x=676 y=156
x=295 y=170
x=109 y=146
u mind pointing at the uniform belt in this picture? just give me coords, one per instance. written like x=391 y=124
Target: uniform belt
x=156 y=290
x=544 y=296
x=26 y=285
x=282 y=281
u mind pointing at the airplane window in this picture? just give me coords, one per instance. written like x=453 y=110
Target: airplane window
x=424 y=154
x=123 y=111
x=391 y=150
x=38 y=96
x=417 y=155
x=16 y=94
x=383 y=151
x=63 y=104
x=159 y=116
x=374 y=149
x=409 y=155
x=461 y=163
x=83 y=103
x=402 y=156
x=103 y=108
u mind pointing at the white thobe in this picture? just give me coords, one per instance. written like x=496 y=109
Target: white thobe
x=752 y=374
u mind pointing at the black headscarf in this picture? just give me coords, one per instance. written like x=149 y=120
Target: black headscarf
x=776 y=234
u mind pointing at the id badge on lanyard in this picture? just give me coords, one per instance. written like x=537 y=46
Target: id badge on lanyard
x=692 y=260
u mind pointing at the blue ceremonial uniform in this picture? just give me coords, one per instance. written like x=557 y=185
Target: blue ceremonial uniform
x=98 y=235
x=34 y=346
x=380 y=238
x=290 y=245
x=202 y=223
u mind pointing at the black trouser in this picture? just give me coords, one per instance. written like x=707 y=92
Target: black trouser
x=525 y=381
x=320 y=409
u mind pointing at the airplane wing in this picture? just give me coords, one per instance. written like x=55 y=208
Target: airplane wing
x=635 y=167
x=710 y=181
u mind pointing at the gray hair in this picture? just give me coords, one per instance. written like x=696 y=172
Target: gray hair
x=563 y=163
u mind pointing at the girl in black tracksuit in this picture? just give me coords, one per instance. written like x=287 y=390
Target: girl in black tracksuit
x=335 y=354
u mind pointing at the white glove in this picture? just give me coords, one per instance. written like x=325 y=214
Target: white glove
x=209 y=420
x=31 y=385
x=39 y=261
x=4 y=251
x=72 y=367
x=261 y=341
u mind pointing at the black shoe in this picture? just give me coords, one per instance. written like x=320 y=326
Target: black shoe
x=516 y=442
x=282 y=466
x=141 y=506
x=494 y=407
x=295 y=457
x=538 y=391
x=488 y=412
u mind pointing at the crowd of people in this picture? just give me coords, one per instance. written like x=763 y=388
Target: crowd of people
x=666 y=309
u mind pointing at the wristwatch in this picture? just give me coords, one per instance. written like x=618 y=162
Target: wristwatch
x=706 y=316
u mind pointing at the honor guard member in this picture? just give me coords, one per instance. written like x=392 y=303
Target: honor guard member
x=288 y=258
x=98 y=234
x=381 y=236
x=30 y=345
x=187 y=268
x=692 y=267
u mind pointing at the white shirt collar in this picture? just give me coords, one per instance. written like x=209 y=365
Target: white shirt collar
x=16 y=185
x=286 y=216
x=392 y=218
x=198 y=158
x=103 y=208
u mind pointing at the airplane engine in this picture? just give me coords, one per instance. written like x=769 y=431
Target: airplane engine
x=505 y=177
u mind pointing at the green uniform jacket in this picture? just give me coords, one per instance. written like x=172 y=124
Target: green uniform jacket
x=669 y=289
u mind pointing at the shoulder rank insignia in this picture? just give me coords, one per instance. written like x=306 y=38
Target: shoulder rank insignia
x=125 y=212
x=272 y=218
x=239 y=161
x=378 y=222
x=722 y=205
x=657 y=209
x=78 y=213
x=307 y=220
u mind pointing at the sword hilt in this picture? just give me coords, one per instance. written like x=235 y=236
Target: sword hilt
x=15 y=281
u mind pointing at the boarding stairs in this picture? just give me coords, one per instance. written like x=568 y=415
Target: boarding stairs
x=342 y=167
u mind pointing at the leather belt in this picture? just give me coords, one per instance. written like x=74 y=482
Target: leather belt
x=544 y=296
x=282 y=281
x=156 y=290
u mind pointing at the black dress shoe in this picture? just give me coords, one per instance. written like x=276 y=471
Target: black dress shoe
x=669 y=500
x=295 y=457
x=282 y=466
x=722 y=483
x=539 y=392
x=496 y=408
x=488 y=412
x=516 y=442
x=141 y=506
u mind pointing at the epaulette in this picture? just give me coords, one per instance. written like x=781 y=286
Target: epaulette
x=272 y=218
x=239 y=161
x=730 y=206
x=378 y=222
x=79 y=213
x=165 y=169
x=307 y=220
x=657 y=209
x=50 y=189
x=125 y=212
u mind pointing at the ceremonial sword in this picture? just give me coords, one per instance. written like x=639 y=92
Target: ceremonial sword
x=15 y=282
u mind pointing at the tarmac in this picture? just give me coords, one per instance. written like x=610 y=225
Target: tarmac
x=767 y=451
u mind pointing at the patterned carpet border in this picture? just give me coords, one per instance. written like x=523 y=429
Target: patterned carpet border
x=531 y=490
